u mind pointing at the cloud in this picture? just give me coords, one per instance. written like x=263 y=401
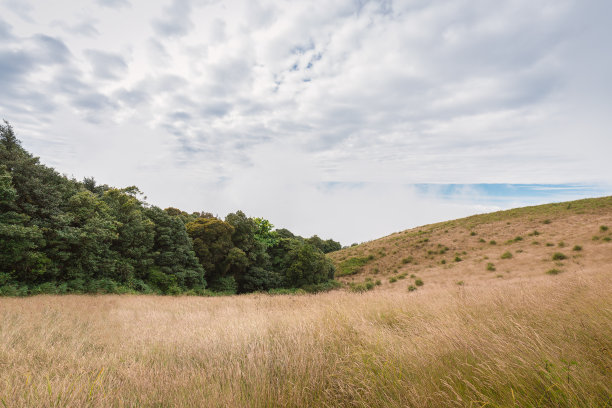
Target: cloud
x=176 y=19
x=21 y=8
x=84 y=28
x=106 y=65
x=113 y=3
x=367 y=98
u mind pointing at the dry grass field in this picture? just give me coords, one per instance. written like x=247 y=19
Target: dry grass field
x=525 y=339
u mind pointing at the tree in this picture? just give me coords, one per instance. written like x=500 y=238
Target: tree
x=306 y=265
x=20 y=259
x=324 y=246
x=212 y=242
x=173 y=250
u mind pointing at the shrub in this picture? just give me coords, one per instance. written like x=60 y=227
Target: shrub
x=322 y=287
x=595 y=238
x=360 y=287
x=419 y=282
x=546 y=221
x=460 y=283
x=472 y=233
x=577 y=248
x=402 y=276
x=457 y=259
x=550 y=244
x=492 y=242
x=412 y=276
x=443 y=261
x=607 y=239
x=393 y=279
x=506 y=255
x=353 y=265
x=411 y=288
x=603 y=228
x=378 y=282
x=407 y=260
x=553 y=272
x=558 y=256
x=561 y=244
x=517 y=239
x=490 y=267
x=481 y=240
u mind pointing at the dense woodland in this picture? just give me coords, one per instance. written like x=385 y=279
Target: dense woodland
x=60 y=235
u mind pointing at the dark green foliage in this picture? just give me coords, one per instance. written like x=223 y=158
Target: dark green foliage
x=326 y=246
x=506 y=255
x=306 y=265
x=352 y=265
x=58 y=235
x=419 y=282
x=558 y=256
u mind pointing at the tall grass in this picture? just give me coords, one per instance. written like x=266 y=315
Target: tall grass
x=545 y=342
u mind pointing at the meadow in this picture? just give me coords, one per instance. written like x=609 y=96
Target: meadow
x=546 y=341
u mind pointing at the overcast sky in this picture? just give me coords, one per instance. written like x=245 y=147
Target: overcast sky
x=351 y=119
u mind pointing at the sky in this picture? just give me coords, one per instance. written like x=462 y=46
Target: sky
x=350 y=119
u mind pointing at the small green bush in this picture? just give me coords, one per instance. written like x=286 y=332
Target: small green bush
x=472 y=233
x=393 y=279
x=553 y=272
x=402 y=276
x=577 y=248
x=550 y=244
x=460 y=283
x=481 y=240
x=490 y=267
x=457 y=259
x=558 y=256
x=419 y=282
x=506 y=255
x=546 y=222
x=561 y=244
x=407 y=260
x=411 y=288
x=603 y=228
x=492 y=242
x=607 y=239
x=443 y=261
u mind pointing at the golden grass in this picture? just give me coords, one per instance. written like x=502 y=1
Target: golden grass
x=541 y=342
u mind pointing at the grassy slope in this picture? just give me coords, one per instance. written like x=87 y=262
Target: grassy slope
x=532 y=235
x=526 y=339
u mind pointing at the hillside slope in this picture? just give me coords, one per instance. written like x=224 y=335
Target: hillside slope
x=487 y=249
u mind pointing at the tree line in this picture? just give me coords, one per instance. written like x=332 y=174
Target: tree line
x=60 y=235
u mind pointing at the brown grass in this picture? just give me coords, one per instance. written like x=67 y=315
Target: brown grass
x=543 y=342
x=573 y=224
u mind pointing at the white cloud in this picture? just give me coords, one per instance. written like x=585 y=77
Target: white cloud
x=215 y=98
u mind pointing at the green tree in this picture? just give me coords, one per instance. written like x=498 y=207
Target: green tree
x=212 y=242
x=20 y=259
x=173 y=250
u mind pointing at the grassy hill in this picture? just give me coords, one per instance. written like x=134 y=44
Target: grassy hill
x=551 y=239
